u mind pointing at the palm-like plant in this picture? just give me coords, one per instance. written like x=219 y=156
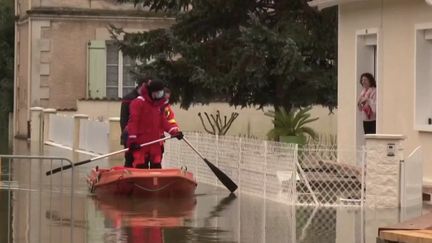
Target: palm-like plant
x=291 y=123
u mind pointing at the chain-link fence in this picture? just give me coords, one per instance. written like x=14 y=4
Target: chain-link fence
x=310 y=175
x=330 y=176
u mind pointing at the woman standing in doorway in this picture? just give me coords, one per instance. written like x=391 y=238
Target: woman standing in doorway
x=367 y=103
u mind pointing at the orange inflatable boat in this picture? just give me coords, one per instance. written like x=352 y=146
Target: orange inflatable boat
x=141 y=182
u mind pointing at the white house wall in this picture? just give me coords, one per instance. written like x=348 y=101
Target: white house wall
x=395 y=21
x=251 y=121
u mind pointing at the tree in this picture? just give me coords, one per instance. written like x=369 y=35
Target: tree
x=6 y=57
x=216 y=125
x=260 y=52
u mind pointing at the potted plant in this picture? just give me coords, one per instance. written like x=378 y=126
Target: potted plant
x=290 y=127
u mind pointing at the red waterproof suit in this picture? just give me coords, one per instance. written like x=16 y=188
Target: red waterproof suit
x=169 y=114
x=146 y=121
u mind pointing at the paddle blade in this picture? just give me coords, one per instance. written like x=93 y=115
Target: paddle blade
x=56 y=170
x=228 y=183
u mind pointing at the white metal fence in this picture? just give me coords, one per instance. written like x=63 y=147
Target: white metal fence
x=279 y=171
x=412 y=183
x=314 y=174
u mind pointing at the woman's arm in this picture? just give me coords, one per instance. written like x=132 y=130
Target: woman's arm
x=361 y=100
x=372 y=99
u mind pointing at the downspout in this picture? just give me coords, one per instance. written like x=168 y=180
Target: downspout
x=15 y=68
x=29 y=65
x=30 y=35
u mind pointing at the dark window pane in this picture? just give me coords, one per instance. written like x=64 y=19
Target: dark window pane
x=112 y=54
x=112 y=92
x=128 y=78
x=127 y=90
x=112 y=75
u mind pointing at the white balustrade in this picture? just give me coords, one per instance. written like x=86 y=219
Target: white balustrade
x=61 y=129
x=94 y=136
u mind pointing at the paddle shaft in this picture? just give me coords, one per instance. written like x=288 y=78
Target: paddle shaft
x=193 y=148
x=56 y=170
x=223 y=178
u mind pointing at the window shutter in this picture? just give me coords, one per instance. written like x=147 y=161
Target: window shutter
x=97 y=69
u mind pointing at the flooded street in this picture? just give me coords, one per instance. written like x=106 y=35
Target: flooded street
x=41 y=209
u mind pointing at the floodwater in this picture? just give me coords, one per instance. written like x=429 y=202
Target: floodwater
x=43 y=209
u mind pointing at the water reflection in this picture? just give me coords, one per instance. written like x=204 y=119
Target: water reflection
x=135 y=220
x=44 y=215
x=4 y=194
x=210 y=217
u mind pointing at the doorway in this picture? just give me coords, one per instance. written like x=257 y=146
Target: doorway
x=366 y=62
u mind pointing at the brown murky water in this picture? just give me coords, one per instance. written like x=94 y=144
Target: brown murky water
x=41 y=209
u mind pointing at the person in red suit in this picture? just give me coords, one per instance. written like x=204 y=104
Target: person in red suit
x=146 y=121
x=124 y=116
x=169 y=113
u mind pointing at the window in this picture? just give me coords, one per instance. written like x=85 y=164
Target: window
x=423 y=78
x=118 y=68
x=109 y=71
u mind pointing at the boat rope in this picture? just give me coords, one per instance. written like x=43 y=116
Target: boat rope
x=153 y=190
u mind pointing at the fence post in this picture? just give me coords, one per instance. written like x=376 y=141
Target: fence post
x=363 y=177
x=77 y=128
x=217 y=158
x=114 y=134
x=239 y=161
x=46 y=122
x=265 y=168
x=197 y=158
x=36 y=124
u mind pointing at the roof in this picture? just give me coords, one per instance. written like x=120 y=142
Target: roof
x=321 y=4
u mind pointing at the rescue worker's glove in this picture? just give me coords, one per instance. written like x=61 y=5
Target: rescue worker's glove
x=134 y=147
x=179 y=135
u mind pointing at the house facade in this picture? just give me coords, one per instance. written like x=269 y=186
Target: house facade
x=391 y=39
x=64 y=53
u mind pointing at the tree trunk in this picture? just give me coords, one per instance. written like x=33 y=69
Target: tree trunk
x=281 y=99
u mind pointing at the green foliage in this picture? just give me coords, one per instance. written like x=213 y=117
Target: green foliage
x=291 y=123
x=280 y=53
x=6 y=57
